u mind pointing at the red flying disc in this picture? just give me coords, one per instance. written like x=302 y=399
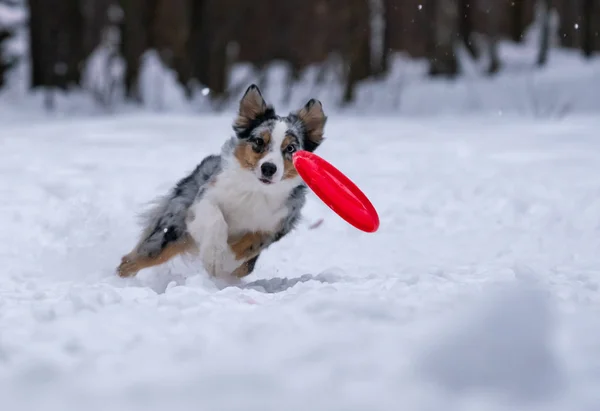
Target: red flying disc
x=337 y=191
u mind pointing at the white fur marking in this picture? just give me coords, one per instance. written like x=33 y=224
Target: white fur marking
x=248 y=205
x=210 y=232
x=274 y=155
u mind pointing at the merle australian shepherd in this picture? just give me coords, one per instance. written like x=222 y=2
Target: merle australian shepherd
x=236 y=204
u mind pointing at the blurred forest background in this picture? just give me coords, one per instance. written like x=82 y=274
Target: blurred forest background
x=202 y=39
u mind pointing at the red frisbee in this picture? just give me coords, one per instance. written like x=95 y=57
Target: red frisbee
x=337 y=191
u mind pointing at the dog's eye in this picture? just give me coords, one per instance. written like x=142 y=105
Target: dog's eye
x=290 y=149
x=258 y=145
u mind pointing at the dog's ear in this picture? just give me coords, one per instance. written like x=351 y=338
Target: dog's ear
x=313 y=118
x=252 y=106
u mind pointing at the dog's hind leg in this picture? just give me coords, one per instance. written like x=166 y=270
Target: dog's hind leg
x=163 y=238
x=136 y=261
x=165 y=234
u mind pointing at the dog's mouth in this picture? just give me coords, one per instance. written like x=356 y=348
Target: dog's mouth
x=265 y=181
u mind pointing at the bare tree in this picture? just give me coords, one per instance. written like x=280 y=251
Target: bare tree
x=170 y=34
x=466 y=27
x=569 y=12
x=587 y=29
x=379 y=49
x=388 y=10
x=6 y=61
x=95 y=14
x=357 y=50
x=545 y=9
x=491 y=13
x=445 y=27
x=56 y=45
x=212 y=29
x=517 y=20
x=134 y=42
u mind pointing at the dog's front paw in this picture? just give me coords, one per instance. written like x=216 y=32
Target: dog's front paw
x=208 y=228
x=129 y=266
x=217 y=258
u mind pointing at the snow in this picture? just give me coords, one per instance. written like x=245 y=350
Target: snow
x=11 y=15
x=479 y=291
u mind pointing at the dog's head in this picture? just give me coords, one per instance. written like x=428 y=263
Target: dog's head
x=266 y=141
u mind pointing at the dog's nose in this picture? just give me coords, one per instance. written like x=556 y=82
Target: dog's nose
x=268 y=169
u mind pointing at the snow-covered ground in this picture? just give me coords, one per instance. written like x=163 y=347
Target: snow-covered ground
x=480 y=291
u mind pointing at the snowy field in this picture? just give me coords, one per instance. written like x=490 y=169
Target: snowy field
x=479 y=292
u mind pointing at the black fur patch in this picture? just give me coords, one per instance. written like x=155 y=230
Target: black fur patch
x=295 y=202
x=170 y=235
x=251 y=264
x=307 y=144
x=244 y=133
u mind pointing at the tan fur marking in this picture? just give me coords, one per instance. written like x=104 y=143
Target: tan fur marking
x=242 y=271
x=289 y=171
x=266 y=136
x=248 y=245
x=314 y=119
x=251 y=106
x=247 y=157
x=132 y=263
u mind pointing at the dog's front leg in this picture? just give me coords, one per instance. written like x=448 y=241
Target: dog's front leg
x=247 y=248
x=207 y=226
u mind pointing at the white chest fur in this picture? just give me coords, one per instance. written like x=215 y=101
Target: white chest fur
x=248 y=204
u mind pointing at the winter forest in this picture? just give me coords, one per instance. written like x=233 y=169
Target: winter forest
x=161 y=249
x=99 y=46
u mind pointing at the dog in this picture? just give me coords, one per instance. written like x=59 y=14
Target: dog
x=235 y=204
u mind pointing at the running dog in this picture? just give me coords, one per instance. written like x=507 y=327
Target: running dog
x=234 y=205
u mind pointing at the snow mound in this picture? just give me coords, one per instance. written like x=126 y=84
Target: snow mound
x=503 y=346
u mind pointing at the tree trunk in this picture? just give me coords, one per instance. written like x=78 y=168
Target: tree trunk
x=36 y=49
x=358 y=48
x=210 y=32
x=95 y=14
x=387 y=36
x=495 y=63
x=71 y=50
x=442 y=56
x=221 y=28
x=170 y=33
x=466 y=27
x=517 y=22
x=6 y=61
x=569 y=17
x=379 y=45
x=56 y=45
x=134 y=42
x=587 y=31
x=196 y=42
x=545 y=33
x=490 y=9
